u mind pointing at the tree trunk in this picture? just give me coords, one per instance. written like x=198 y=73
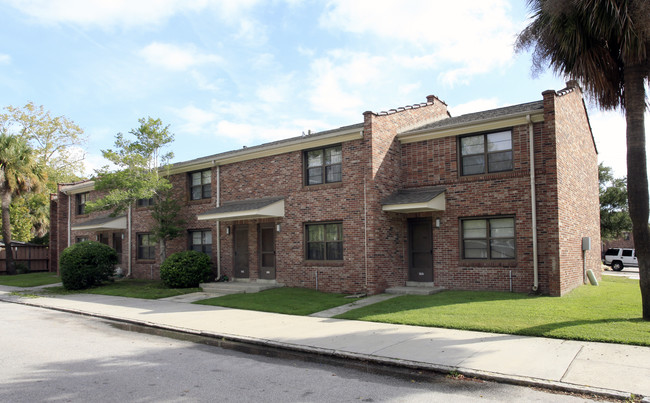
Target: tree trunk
x=5 y=202
x=163 y=250
x=637 y=177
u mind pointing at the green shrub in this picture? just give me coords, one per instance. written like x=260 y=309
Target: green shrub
x=86 y=264
x=185 y=269
x=21 y=268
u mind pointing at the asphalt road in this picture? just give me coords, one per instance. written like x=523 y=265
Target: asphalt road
x=629 y=272
x=60 y=357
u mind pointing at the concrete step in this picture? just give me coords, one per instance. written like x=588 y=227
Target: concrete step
x=415 y=290
x=238 y=287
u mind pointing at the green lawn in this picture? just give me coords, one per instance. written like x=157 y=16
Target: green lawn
x=145 y=289
x=610 y=312
x=29 y=279
x=292 y=301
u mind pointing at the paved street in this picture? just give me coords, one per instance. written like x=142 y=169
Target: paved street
x=629 y=272
x=55 y=356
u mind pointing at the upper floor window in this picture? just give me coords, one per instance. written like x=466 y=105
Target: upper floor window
x=323 y=165
x=82 y=198
x=201 y=241
x=489 y=238
x=485 y=153
x=324 y=241
x=144 y=202
x=201 y=185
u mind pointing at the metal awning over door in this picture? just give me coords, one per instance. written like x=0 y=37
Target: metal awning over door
x=416 y=200
x=101 y=223
x=268 y=207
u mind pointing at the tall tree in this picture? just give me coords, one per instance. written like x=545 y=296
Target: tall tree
x=605 y=45
x=614 y=215
x=140 y=163
x=57 y=143
x=19 y=173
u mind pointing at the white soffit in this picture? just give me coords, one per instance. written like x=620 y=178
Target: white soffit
x=99 y=224
x=468 y=128
x=272 y=210
x=435 y=204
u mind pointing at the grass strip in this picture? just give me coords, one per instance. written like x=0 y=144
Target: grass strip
x=610 y=312
x=29 y=279
x=292 y=301
x=145 y=289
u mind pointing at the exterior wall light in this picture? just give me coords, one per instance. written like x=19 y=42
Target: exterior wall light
x=277 y=227
x=437 y=222
x=227 y=229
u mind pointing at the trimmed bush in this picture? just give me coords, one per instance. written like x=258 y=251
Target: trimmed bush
x=86 y=264
x=186 y=269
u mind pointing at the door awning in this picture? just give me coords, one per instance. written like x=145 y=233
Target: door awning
x=415 y=200
x=250 y=209
x=102 y=223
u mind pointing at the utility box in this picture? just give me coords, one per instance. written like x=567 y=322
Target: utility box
x=586 y=243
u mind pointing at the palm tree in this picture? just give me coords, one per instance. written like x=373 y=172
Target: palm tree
x=604 y=45
x=19 y=174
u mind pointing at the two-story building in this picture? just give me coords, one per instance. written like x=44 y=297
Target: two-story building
x=496 y=200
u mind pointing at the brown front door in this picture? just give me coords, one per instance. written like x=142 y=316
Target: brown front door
x=117 y=245
x=267 y=252
x=241 y=251
x=420 y=250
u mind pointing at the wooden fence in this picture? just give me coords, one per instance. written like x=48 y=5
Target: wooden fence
x=34 y=257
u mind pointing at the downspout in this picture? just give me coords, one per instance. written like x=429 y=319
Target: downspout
x=69 y=218
x=218 y=222
x=533 y=202
x=365 y=231
x=128 y=225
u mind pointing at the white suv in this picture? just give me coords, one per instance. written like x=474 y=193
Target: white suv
x=620 y=257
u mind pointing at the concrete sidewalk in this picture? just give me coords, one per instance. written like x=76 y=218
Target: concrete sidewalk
x=605 y=369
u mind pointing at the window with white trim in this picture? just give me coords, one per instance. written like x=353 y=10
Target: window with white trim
x=201 y=241
x=146 y=247
x=324 y=241
x=201 y=185
x=488 y=238
x=486 y=153
x=323 y=165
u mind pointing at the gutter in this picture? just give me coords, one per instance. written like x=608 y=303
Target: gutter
x=460 y=128
x=218 y=222
x=533 y=202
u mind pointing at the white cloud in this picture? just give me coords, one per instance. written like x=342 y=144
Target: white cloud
x=197 y=121
x=252 y=135
x=5 y=59
x=609 y=133
x=106 y=13
x=467 y=37
x=339 y=81
x=476 y=105
x=176 y=58
x=93 y=162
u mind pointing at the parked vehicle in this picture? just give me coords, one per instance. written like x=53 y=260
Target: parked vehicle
x=620 y=257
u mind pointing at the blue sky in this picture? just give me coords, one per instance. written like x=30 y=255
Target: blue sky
x=227 y=74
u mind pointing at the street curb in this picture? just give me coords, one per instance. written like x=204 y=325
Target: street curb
x=223 y=339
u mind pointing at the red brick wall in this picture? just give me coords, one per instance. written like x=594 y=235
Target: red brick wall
x=375 y=242
x=387 y=261
x=435 y=163
x=578 y=209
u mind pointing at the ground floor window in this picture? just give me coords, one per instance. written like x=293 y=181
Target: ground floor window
x=201 y=241
x=324 y=241
x=146 y=247
x=488 y=238
x=81 y=239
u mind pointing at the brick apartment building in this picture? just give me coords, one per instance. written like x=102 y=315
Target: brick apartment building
x=494 y=200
